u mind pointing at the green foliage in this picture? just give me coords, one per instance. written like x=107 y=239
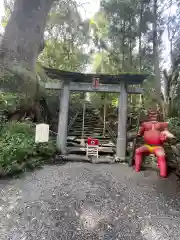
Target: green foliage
x=174 y=127
x=18 y=150
x=8 y=6
x=60 y=55
x=9 y=101
x=100 y=25
x=20 y=81
x=118 y=38
x=65 y=38
x=103 y=63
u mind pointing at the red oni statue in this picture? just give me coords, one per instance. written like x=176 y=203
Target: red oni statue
x=155 y=134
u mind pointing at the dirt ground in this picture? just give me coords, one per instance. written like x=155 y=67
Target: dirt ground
x=90 y=202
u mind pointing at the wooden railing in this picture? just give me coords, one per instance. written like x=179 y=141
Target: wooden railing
x=112 y=134
x=73 y=119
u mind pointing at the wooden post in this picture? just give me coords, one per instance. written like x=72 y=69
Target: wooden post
x=140 y=99
x=104 y=128
x=63 y=119
x=84 y=110
x=122 y=123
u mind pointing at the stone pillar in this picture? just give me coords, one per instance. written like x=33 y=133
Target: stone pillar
x=63 y=119
x=122 y=123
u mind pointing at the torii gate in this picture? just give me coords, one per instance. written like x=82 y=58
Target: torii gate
x=73 y=81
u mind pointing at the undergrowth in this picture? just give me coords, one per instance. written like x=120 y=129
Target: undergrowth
x=18 y=150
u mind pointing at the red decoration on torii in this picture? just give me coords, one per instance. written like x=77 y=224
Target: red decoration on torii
x=95 y=82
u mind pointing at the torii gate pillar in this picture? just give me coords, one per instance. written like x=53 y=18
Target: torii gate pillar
x=63 y=119
x=122 y=123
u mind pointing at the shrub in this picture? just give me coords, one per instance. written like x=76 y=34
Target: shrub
x=174 y=127
x=10 y=101
x=18 y=150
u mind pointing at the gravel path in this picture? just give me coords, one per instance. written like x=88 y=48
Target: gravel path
x=89 y=202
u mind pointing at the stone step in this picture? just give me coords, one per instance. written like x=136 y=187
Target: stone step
x=85 y=134
x=87 y=116
x=101 y=141
x=88 y=121
x=90 y=130
x=87 y=128
x=93 y=127
x=98 y=135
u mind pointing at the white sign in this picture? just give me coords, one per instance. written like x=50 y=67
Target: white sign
x=42 y=133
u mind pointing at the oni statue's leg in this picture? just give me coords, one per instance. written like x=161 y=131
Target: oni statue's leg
x=161 y=158
x=139 y=156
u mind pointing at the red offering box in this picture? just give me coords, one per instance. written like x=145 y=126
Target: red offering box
x=92 y=141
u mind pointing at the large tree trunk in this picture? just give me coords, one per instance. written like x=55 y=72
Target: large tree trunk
x=156 y=58
x=156 y=52
x=24 y=33
x=22 y=42
x=140 y=35
x=123 y=46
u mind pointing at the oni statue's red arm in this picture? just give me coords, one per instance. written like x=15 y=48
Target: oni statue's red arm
x=165 y=134
x=141 y=130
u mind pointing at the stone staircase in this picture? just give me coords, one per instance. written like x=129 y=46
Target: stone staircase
x=93 y=127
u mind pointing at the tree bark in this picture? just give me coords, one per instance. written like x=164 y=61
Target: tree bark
x=24 y=34
x=22 y=42
x=156 y=51
x=130 y=43
x=156 y=58
x=123 y=46
x=140 y=35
